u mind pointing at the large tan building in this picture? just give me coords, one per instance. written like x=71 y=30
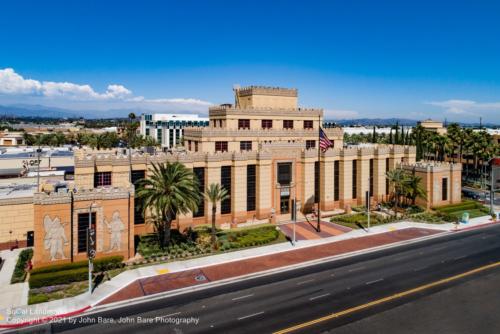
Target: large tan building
x=264 y=151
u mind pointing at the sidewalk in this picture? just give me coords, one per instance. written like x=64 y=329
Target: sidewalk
x=12 y=294
x=149 y=280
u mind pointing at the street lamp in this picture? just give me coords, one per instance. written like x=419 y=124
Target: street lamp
x=90 y=246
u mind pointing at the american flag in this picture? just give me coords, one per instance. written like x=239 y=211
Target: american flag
x=324 y=142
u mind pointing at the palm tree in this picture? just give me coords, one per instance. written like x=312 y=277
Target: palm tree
x=214 y=194
x=171 y=189
x=413 y=188
x=396 y=178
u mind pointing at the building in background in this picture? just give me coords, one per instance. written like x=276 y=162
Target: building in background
x=433 y=126
x=11 y=138
x=168 y=129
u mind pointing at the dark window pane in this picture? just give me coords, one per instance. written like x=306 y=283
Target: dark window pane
x=83 y=225
x=336 y=181
x=354 y=179
x=199 y=172
x=102 y=179
x=251 y=189
x=225 y=181
x=284 y=173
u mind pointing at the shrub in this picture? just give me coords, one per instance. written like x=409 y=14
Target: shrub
x=100 y=264
x=59 y=277
x=38 y=298
x=19 y=273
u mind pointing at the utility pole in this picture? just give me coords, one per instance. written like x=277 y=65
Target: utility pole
x=318 y=225
x=294 y=219
x=90 y=247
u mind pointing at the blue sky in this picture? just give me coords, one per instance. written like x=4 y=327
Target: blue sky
x=417 y=59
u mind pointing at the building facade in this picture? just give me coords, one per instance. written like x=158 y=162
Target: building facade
x=167 y=129
x=263 y=150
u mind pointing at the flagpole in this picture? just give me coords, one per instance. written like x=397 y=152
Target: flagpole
x=318 y=227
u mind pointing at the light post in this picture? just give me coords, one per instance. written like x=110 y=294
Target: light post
x=90 y=247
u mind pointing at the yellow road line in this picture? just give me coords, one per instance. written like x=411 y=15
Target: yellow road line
x=387 y=299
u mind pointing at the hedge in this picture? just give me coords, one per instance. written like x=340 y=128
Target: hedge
x=101 y=264
x=19 y=273
x=60 y=277
x=468 y=205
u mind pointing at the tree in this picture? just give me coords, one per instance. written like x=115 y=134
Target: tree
x=413 y=188
x=171 y=189
x=214 y=194
x=396 y=180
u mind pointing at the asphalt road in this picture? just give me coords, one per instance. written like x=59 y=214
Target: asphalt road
x=278 y=301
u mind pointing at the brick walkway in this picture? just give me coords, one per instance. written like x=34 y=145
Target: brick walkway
x=172 y=281
x=307 y=230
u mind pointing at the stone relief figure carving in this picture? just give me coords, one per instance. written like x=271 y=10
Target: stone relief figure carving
x=55 y=238
x=115 y=228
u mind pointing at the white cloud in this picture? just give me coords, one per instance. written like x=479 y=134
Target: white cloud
x=340 y=114
x=456 y=106
x=13 y=84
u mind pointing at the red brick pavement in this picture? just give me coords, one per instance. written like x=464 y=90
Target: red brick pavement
x=172 y=281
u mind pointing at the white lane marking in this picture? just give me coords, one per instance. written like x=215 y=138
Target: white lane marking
x=356 y=269
x=304 y=282
x=375 y=281
x=421 y=253
x=460 y=257
x=250 y=315
x=332 y=275
x=242 y=297
x=171 y=314
x=438 y=248
x=320 y=296
x=487 y=236
x=443 y=261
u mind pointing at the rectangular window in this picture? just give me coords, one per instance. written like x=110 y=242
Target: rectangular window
x=251 y=189
x=444 y=188
x=102 y=179
x=138 y=175
x=310 y=144
x=189 y=145
x=243 y=124
x=245 y=145
x=386 y=179
x=199 y=173
x=371 y=177
x=288 y=124
x=147 y=132
x=316 y=182
x=83 y=225
x=171 y=137
x=221 y=146
x=177 y=136
x=158 y=135
x=354 y=179
x=308 y=124
x=196 y=146
x=225 y=182
x=267 y=123
x=284 y=173
x=336 y=181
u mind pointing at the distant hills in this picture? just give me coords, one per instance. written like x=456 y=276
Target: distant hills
x=41 y=111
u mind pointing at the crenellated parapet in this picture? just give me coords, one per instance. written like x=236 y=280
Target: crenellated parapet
x=432 y=166
x=94 y=194
x=266 y=90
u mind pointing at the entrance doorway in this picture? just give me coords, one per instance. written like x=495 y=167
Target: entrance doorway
x=285 y=204
x=30 y=239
